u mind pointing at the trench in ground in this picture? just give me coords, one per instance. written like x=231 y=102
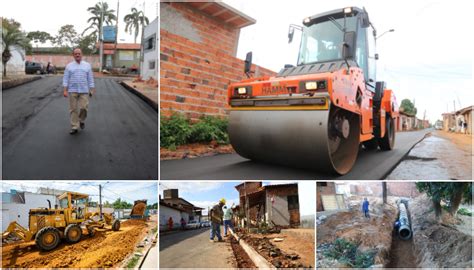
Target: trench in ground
x=402 y=253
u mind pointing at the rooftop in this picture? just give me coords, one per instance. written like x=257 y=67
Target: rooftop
x=223 y=12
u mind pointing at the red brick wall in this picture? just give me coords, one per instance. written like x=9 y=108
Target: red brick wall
x=194 y=75
x=62 y=60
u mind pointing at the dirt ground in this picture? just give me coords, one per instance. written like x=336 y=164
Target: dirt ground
x=439 y=244
x=195 y=150
x=105 y=249
x=441 y=155
x=296 y=249
x=372 y=234
x=242 y=260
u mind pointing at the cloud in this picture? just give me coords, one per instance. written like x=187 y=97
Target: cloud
x=190 y=187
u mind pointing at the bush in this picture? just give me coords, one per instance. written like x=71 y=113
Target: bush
x=174 y=130
x=208 y=129
x=347 y=252
x=464 y=212
x=177 y=130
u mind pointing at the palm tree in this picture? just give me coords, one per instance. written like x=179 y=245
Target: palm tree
x=135 y=21
x=12 y=38
x=100 y=10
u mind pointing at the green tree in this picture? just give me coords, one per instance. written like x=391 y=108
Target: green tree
x=39 y=36
x=134 y=22
x=152 y=206
x=66 y=37
x=408 y=107
x=87 y=44
x=100 y=14
x=120 y=204
x=12 y=39
x=454 y=193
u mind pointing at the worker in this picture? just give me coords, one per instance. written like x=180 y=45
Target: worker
x=183 y=224
x=365 y=208
x=216 y=215
x=228 y=213
x=170 y=223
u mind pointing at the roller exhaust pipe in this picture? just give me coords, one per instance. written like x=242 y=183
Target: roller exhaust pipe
x=404 y=232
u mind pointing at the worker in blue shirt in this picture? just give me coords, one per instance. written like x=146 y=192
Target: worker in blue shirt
x=365 y=208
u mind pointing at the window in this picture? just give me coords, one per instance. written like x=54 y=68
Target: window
x=361 y=51
x=151 y=65
x=150 y=43
x=293 y=203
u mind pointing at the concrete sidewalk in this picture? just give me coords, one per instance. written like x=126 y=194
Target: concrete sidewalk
x=146 y=91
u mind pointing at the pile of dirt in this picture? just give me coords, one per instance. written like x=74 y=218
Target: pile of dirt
x=194 y=150
x=370 y=234
x=133 y=222
x=438 y=244
x=277 y=257
x=105 y=249
x=243 y=260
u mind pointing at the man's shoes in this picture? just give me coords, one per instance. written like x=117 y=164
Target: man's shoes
x=212 y=241
x=220 y=240
x=73 y=131
x=82 y=125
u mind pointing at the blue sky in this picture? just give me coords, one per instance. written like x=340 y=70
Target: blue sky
x=206 y=194
x=126 y=190
x=427 y=59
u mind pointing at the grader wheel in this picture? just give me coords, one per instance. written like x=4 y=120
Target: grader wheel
x=73 y=233
x=47 y=238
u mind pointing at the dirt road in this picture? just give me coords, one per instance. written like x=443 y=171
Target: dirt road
x=192 y=249
x=105 y=249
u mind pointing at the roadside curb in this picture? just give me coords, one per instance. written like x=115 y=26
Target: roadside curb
x=145 y=255
x=258 y=260
x=150 y=102
x=10 y=84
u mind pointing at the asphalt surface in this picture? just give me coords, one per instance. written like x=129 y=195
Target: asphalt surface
x=370 y=165
x=120 y=140
x=192 y=249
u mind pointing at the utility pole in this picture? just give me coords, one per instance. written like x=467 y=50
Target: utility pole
x=116 y=25
x=454 y=106
x=100 y=201
x=101 y=41
x=141 y=44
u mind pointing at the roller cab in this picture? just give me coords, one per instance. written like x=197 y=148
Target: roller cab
x=316 y=114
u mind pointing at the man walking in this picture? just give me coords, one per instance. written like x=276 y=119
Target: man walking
x=216 y=215
x=228 y=213
x=78 y=83
x=365 y=208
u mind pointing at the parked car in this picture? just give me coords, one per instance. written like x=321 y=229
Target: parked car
x=34 y=68
x=193 y=224
x=205 y=224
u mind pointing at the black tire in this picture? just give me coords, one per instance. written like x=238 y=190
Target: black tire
x=91 y=232
x=116 y=225
x=73 y=233
x=47 y=238
x=371 y=144
x=388 y=141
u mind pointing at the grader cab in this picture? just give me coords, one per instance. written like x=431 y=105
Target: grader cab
x=68 y=220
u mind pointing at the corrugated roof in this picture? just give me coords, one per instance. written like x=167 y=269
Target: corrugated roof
x=225 y=13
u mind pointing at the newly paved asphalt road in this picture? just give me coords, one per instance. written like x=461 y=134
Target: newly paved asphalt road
x=192 y=249
x=370 y=165
x=120 y=140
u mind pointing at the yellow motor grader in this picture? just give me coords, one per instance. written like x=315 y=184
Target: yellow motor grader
x=68 y=220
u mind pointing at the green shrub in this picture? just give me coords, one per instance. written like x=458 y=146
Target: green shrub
x=174 y=130
x=464 y=212
x=210 y=128
x=177 y=130
x=347 y=252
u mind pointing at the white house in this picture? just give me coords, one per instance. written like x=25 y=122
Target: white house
x=149 y=64
x=168 y=211
x=16 y=206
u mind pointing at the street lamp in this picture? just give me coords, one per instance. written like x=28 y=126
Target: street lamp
x=391 y=30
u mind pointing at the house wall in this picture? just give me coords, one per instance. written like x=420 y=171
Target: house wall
x=197 y=62
x=126 y=58
x=329 y=189
x=278 y=211
x=400 y=189
x=151 y=55
x=19 y=212
x=167 y=212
